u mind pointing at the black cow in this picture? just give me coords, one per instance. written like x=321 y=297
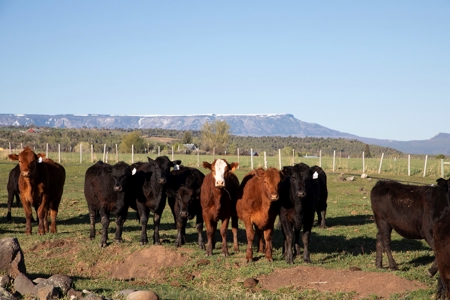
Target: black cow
x=299 y=195
x=442 y=246
x=13 y=189
x=321 y=176
x=149 y=186
x=183 y=191
x=108 y=189
x=411 y=211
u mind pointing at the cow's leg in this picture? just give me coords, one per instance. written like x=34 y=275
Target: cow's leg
x=181 y=228
x=384 y=244
x=289 y=238
x=210 y=232
x=234 y=230
x=430 y=240
x=28 y=215
x=199 y=226
x=156 y=221
x=223 y=234
x=10 y=203
x=42 y=216
x=53 y=214
x=120 y=220
x=104 y=213
x=250 y=236
x=92 y=214
x=321 y=218
x=143 y=212
x=260 y=240
x=305 y=240
x=268 y=239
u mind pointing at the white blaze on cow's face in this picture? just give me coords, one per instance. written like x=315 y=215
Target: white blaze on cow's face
x=220 y=168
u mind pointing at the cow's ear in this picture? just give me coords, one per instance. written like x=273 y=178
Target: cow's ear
x=149 y=159
x=41 y=155
x=13 y=157
x=207 y=165
x=286 y=171
x=260 y=172
x=171 y=193
x=176 y=162
x=234 y=166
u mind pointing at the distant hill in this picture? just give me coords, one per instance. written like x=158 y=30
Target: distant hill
x=244 y=125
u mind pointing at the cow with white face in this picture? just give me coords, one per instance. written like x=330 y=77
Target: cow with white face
x=218 y=198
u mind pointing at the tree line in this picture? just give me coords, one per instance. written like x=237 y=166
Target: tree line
x=213 y=136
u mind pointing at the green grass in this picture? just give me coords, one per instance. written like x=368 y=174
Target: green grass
x=348 y=241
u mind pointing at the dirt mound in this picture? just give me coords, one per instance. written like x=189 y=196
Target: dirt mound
x=364 y=284
x=148 y=263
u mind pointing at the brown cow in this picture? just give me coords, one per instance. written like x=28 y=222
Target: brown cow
x=41 y=185
x=218 y=198
x=255 y=206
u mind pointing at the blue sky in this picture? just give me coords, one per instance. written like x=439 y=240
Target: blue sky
x=378 y=69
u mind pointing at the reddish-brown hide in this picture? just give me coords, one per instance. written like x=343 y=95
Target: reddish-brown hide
x=218 y=198
x=41 y=185
x=255 y=206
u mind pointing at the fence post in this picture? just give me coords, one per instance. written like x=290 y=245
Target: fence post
x=238 y=157
x=265 y=160
x=81 y=151
x=381 y=163
x=425 y=166
x=279 y=158
x=251 y=158
x=92 y=153
x=46 y=149
x=117 y=154
x=159 y=151
x=293 y=157
x=198 y=158
x=10 y=148
x=132 y=153
x=320 y=158
x=214 y=154
x=59 y=153
x=409 y=164
x=364 y=167
x=104 y=153
x=334 y=160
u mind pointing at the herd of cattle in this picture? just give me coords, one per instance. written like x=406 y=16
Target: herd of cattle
x=295 y=194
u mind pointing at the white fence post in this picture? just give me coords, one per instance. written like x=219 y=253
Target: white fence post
x=334 y=160
x=132 y=153
x=59 y=153
x=117 y=154
x=104 y=152
x=279 y=158
x=251 y=158
x=92 y=153
x=46 y=149
x=265 y=160
x=381 y=163
x=320 y=158
x=238 y=156
x=364 y=166
x=425 y=166
x=409 y=165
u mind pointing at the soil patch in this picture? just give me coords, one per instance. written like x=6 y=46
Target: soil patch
x=365 y=284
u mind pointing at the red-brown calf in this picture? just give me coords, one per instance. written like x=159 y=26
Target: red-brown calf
x=255 y=206
x=41 y=184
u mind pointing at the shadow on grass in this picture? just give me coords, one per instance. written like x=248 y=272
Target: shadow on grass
x=349 y=220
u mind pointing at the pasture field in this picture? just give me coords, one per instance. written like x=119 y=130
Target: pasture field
x=186 y=273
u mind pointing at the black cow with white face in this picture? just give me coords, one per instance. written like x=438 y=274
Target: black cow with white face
x=299 y=195
x=149 y=185
x=183 y=193
x=108 y=189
